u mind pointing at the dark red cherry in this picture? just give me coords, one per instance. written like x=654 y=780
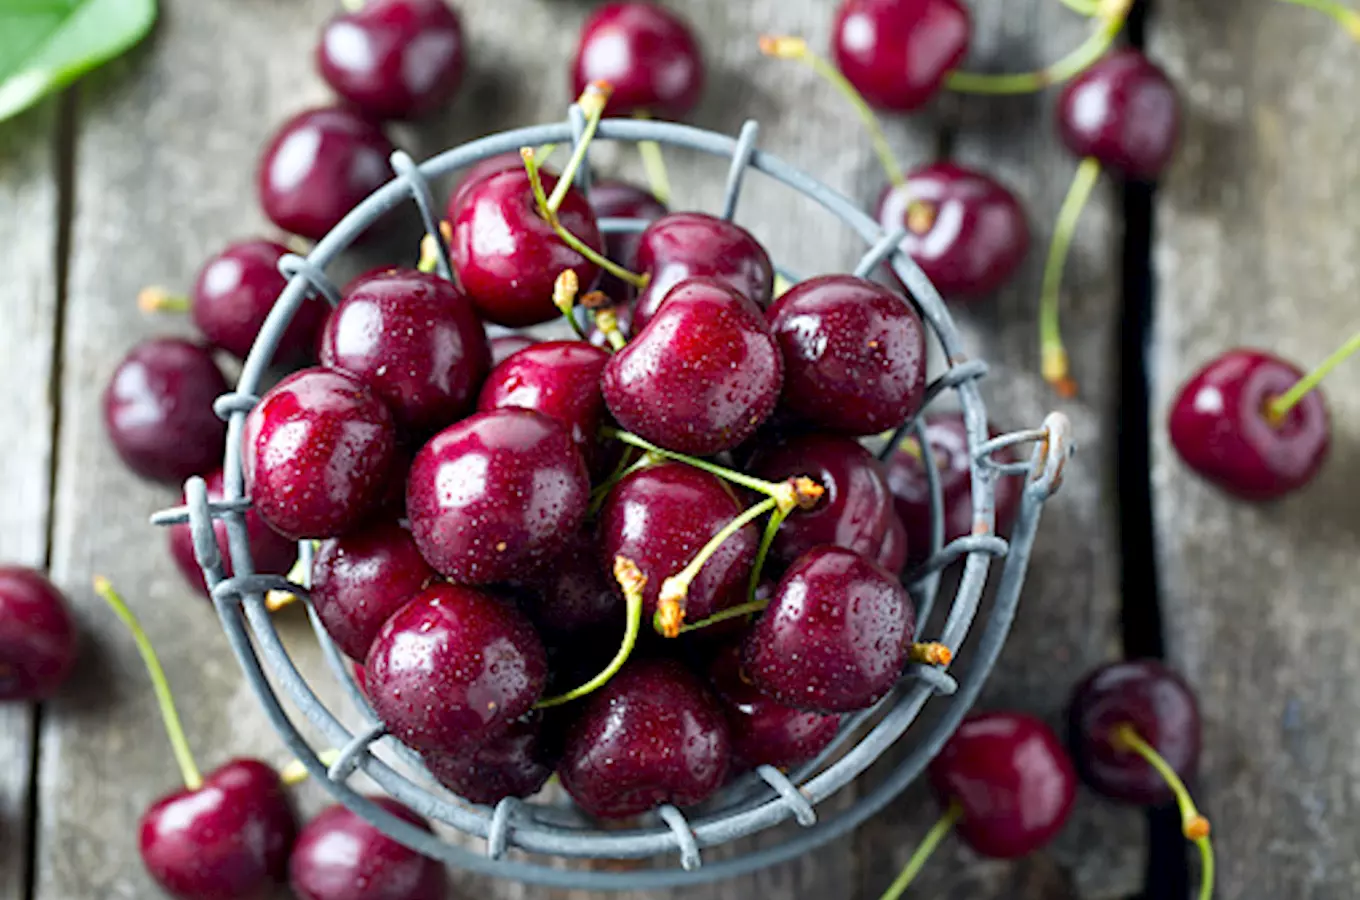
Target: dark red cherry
x=361 y=579
x=621 y=200
x=835 y=636
x=897 y=52
x=854 y=354
x=340 y=856
x=765 y=732
x=560 y=379
x=507 y=345
x=647 y=53
x=158 y=410
x=318 y=166
x=227 y=839
x=508 y=257
x=514 y=764
x=681 y=245
x=653 y=734
x=317 y=453
x=270 y=552
x=453 y=668
x=1012 y=780
x=663 y=515
x=1162 y=710
x=948 y=440
x=1219 y=426
x=701 y=376
x=856 y=508
x=235 y=291
x=497 y=495
x=1122 y=110
x=894 y=551
x=360 y=677
x=474 y=173
x=576 y=593
x=393 y=59
x=37 y=636
x=415 y=340
x=965 y=229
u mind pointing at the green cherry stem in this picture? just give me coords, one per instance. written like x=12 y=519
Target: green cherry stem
x=174 y=729
x=564 y=298
x=296 y=773
x=1347 y=18
x=766 y=539
x=1194 y=826
x=155 y=299
x=1052 y=352
x=732 y=612
x=592 y=102
x=622 y=471
x=934 y=836
x=607 y=321
x=632 y=581
x=654 y=164
x=1088 y=8
x=1278 y=407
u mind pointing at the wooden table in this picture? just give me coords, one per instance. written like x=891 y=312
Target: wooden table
x=145 y=168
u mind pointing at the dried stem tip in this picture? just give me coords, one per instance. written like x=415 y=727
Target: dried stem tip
x=593 y=99
x=783 y=46
x=596 y=300
x=807 y=492
x=564 y=290
x=628 y=575
x=931 y=653
x=670 y=615
x=1196 y=827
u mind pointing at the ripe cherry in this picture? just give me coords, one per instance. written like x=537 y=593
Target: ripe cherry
x=393 y=59
x=652 y=735
x=497 y=495
x=514 y=764
x=621 y=200
x=417 y=343
x=318 y=166
x=270 y=552
x=453 y=669
x=576 y=593
x=340 y=856
x=764 y=732
x=897 y=52
x=37 y=636
x=158 y=410
x=854 y=354
x=1123 y=111
x=647 y=53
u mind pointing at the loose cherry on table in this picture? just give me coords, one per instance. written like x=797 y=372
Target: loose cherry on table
x=647 y=53
x=318 y=450
x=158 y=410
x=897 y=52
x=222 y=836
x=37 y=638
x=318 y=166
x=393 y=59
x=514 y=764
x=340 y=856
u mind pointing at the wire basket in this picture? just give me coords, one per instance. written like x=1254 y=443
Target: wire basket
x=754 y=803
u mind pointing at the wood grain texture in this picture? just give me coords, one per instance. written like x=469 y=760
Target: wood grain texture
x=1256 y=245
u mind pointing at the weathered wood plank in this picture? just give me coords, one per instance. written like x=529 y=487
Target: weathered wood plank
x=1256 y=243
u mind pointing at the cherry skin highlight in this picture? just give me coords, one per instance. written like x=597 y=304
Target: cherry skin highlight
x=647 y=54
x=897 y=52
x=1123 y=110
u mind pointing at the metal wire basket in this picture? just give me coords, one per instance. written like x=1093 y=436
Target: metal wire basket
x=757 y=802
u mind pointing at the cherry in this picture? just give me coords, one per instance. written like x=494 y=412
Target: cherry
x=897 y=52
x=339 y=856
x=393 y=59
x=1123 y=111
x=475 y=173
x=318 y=166
x=652 y=735
x=765 y=732
x=415 y=340
x=514 y=764
x=701 y=376
x=1222 y=426
x=621 y=200
x=685 y=244
x=158 y=410
x=947 y=438
x=270 y=552
x=896 y=547
x=507 y=345
x=560 y=379
x=496 y=495
x=854 y=513
x=854 y=354
x=317 y=452
x=660 y=517
x=647 y=53
x=575 y=593
x=234 y=292
x=37 y=636
x=508 y=256
x=361 y=579
x=835 y=636
x=965 y=229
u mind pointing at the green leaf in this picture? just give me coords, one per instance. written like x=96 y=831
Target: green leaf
x=47 y=44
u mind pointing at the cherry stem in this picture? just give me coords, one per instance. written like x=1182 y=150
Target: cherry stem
x=766 y=539
x=352 y=5
x=174 y=729
x=1052 y=353
x=1194 y=826
x=1088 y=8
x=592 y=102
x=632 y=581
x=296 y=773
x=670 y=610
x=934 y=836
x=748 y=608
x=277 y=600
x=796 y=48
x=429 y=255
x=781 y=285
x=154 y=299
x=654 y=164
x=564 y=298
x=930 y=653
x=607 y=321
x=1278 y=407
x=1112 y=14
x=1347 y=18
